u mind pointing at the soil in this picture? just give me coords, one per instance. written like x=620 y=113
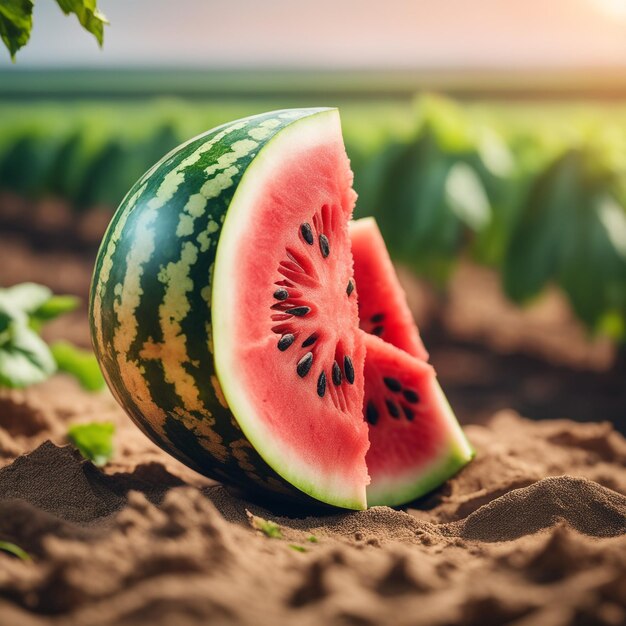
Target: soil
x=533 y=532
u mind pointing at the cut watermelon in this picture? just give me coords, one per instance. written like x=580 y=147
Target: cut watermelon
x=416 y=442
x=220 y=312
x=383 y=310
x=224 y=316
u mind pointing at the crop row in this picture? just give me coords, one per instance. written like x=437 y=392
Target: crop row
x=538 y=192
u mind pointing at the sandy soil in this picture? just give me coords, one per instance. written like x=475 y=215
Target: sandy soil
x=532 y=532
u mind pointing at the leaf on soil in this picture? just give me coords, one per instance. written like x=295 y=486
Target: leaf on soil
x=267 y=527
x=27 y=297
x=55 y=306
x=81 y=364
x=25 y=359
x=11 y=548
x=94 y=441
x=297 y=548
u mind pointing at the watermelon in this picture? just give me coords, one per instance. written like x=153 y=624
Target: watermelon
x=383 y=308
x=221 y=314
x=416 y=442
x=224 y=316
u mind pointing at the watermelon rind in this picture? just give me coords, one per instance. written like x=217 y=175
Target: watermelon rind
x=456 y=453
x=320 y=483
x=155 y=314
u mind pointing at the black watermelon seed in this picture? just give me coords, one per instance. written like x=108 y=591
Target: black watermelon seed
x=379 y=317
x=411 y=396
x=350 y=287
x=309 y=341
x=337 y=377
x=299 y=311
x=378 y=330
x=285 y=341
x=408 y=413
x=307 y=233
x=348 y=369
x=324 y=245
x=321 y=385
x=304 y=364
x=392 y=384
x=392 y=408
x=371 y=413
x=281 y=294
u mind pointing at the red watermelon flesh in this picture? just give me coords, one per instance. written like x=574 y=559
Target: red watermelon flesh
x=288 y=348
x=416 y=442
x=383 y=309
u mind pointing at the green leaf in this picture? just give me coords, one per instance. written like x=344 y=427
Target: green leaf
x=27 y=297
x=312 y=539
x=16 y=22
x=55 y=306
x=11 y=548
x=25 y=359
x=81 y=364
x=37 y=302
x=297 y=548
x=572 y=232
x=94 y=441
x=105 y=179
x=547 y=219
x=467 y=198
x=88 y=15
x=427 y=203
x=267 y=527
x=489 y=246
x=592 y=272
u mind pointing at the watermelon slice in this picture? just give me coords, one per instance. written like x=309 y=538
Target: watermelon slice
x=221 y=313
x=416 y=442
x=224 y=316
x=383 y=309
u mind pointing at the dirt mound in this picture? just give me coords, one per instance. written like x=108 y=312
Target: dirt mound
x=582 y=504
x=147 y=541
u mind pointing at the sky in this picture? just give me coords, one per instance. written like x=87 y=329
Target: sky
x=336 y=33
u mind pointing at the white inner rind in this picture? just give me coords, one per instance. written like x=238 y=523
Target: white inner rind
x=319 y=129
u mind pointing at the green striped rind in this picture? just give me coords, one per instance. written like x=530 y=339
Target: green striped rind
x=150 y=304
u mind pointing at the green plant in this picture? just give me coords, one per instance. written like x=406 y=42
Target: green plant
x=25 y=358
x=267 y=527
x=14 y=550
x=445 y=181
x=16 y=20
x=94 y=441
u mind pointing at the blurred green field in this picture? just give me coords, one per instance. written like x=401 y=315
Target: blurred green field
x=534 y=189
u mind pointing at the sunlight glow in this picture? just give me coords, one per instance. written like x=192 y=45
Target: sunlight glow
x=614 y=8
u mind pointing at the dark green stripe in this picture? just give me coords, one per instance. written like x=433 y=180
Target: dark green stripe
x=182 y=442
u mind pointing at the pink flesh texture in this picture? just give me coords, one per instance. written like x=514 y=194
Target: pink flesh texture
x=410 y=441
x=397 y=444
x=311 y=187
x=380 y=292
